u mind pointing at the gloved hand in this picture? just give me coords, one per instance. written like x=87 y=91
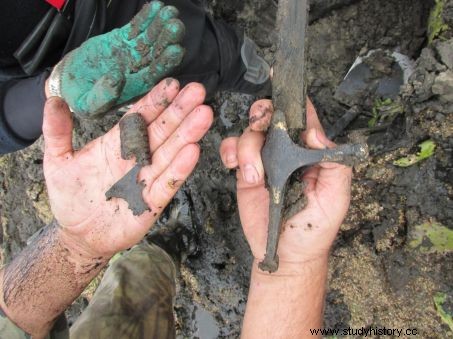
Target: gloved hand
x=112 y=69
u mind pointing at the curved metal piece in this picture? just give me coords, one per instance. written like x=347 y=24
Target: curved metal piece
x=281 y=157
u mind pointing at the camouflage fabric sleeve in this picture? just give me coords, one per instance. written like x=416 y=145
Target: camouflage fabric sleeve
x=134 y=299
x=9 y=330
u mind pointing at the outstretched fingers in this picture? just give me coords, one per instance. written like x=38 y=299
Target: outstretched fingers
x=191 y=130
x=177 y=130
x=160 y=191
x=190 y=97
x=157 y=100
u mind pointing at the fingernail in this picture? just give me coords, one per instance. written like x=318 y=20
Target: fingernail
x=250 y=174
x=231 y=159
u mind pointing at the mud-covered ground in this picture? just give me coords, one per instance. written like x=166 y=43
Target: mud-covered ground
x=383 y=271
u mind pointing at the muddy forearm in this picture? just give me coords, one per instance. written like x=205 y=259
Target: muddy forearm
x=285 y=304
x=45 y=278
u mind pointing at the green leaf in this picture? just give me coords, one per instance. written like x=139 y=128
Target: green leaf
x=431 y=238
x=436 y=25
x=372 y=122
x=439 y=300
x=427 y=149
x=384 y=110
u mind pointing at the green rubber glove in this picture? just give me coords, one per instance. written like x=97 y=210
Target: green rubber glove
x=110 y=70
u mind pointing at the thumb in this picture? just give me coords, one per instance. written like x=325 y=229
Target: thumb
x=57 y=128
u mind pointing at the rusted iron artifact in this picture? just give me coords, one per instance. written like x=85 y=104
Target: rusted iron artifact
x=134 y=143
x=281 y=153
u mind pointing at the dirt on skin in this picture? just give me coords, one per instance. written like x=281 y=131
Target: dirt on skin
x=376 y=279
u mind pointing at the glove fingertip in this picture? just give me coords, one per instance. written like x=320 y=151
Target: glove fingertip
x=168 y=12
x=143 y=19
x=176 y=30
x=174 y=52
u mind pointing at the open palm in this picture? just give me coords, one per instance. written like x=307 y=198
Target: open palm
x=77 y=180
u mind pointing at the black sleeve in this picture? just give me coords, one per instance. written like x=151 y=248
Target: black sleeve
x=213 y=48
x=21 y=112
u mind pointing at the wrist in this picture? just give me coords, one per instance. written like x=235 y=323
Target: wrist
x=288 y=302
x=292 y=269
x=81 y=255
x=44 y=279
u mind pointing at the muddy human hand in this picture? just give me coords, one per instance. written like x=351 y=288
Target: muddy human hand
x=309 y=234
x=78 y=180
x=112 y=69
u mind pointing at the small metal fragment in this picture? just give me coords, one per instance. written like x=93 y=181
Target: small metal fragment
x=134 y=143
x=134 y=139
x=129 y=189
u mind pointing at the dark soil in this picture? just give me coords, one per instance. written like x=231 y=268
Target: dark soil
x=375 y=277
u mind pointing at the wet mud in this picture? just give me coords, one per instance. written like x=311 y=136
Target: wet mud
x=376 y=276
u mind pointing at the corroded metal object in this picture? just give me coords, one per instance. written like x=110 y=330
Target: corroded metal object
x=281 y=157
x=134 y=143
x=288 y=96
x=134 y=139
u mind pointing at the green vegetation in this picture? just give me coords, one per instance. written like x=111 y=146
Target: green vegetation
x=439 y=301
x=436 y=26
x=427 y=149
x=384 y=110
x=431 y=238
x=89 y=291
